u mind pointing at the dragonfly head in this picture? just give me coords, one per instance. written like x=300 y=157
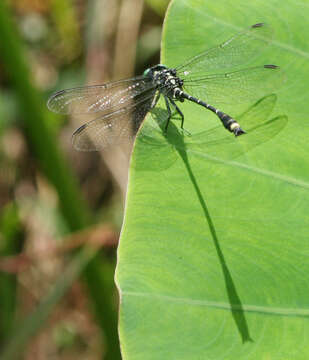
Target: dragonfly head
x=150 y=72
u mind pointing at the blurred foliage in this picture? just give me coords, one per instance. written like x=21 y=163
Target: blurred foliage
x=158 y=5
x=48 y=45
x=11 y=244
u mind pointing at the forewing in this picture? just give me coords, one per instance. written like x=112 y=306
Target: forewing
x=113 y=128
x=235 y=87
x=105 y=98
x=240 y=49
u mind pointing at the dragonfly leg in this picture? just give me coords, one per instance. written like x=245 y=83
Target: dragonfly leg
x=155 y=100
x=168 y=111
x=179 y=112
x=182 y=117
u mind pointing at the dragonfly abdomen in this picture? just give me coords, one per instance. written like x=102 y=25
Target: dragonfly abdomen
x=228 y=122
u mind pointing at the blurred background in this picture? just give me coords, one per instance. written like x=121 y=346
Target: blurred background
x=61 y=210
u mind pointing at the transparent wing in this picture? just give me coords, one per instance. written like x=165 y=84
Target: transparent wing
x=240 y=49
x=99 y=98
x=113 y=128
x=254 y=120
x=229 y=148
x=236 y=87
x=215 y=142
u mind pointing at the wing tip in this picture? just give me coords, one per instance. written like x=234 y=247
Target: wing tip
x=258 y=25
x=271 y=66
x=79 y=130
x=79 y=145
x=51 y=101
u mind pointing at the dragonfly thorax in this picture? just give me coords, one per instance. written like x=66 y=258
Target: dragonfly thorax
x=165 y=79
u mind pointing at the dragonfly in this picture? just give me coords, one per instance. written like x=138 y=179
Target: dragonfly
x=122 y=105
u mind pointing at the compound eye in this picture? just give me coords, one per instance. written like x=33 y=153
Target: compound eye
x=147 y=72
x=173 y=72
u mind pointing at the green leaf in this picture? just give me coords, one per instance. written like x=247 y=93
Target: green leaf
x=213 y=258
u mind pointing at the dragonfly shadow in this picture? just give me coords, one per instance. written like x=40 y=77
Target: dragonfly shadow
x=214 y=144
x=157 y=152
x=234 y=299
